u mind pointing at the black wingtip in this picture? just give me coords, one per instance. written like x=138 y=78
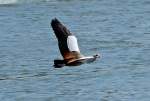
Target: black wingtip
x=54 y=21
x=59 y=29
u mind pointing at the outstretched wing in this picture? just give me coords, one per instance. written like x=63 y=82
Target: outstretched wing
x=67 y=42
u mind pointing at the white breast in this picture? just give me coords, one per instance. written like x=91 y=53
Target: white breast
x=72 y=43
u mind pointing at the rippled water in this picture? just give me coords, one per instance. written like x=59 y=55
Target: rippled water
x=117 y=29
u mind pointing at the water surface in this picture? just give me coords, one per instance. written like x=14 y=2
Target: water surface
x=117 y=29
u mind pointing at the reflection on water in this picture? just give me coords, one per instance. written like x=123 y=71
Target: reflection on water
x=118 y=30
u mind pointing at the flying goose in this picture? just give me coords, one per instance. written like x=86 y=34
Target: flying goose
x=68 y=47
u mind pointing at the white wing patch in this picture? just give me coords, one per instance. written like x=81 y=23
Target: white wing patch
x=72 y=43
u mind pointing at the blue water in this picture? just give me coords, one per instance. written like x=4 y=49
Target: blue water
x=117 y=29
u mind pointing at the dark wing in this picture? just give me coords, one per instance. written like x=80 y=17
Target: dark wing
x=62 y=34
x=59 y=29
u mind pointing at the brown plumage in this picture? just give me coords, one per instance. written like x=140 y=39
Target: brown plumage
x=68 y=47
x=62 y=33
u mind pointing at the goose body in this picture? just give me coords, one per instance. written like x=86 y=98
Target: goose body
x=68 y=46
